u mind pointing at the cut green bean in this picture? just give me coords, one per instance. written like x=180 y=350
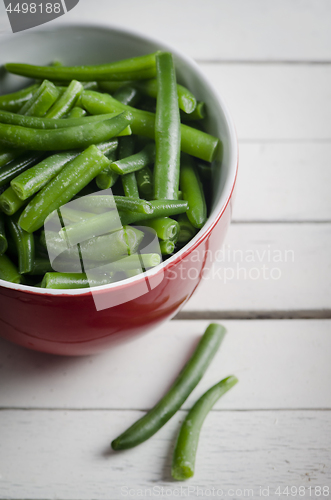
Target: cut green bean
x=69 y=181
x=107 y=178
x=13 y=102
x=194 y=142
x=8 y=271
x=40 y=266
x=143 y=261
x=167 y=130
x=41 y=101
x=187 y=442
x=167 y=247
x=161 y=208
x=10 y=203
x=165 y=228
x=135 y=162
x=72 y=280
x=135 y=68
x=99 y=203
x=24 y=243
x=187 y=380
x=192 y=192
x=76 y=112
x=198 y=114
x=62 y=139
x=144 y=179
x=16 y=167
x=3 y=239
x=66 y=101
x=186 y=230
x=129 y=181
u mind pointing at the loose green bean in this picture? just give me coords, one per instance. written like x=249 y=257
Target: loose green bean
x=187 y=442
x=8 y=271
x=99 y=203
x=192 y=192
x=61 y=139
x=69 y=181
x=24 y=243
x=194 y=142
x=135 y=68
x=14 y=101
x=187 y=380
x=167 y=247
x=161 y=208
x=3 y=239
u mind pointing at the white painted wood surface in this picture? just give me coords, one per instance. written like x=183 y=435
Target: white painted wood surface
x=271 y=62
x=280 y=364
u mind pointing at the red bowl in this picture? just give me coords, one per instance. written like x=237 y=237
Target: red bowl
x=79 y=322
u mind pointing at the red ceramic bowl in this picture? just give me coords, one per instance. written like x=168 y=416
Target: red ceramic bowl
x=68 y=322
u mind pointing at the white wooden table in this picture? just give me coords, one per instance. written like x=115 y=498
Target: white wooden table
x=271 y=61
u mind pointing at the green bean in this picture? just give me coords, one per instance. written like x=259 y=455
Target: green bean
x=50 y=123
x=76 y=112
x=127 y=95
x=3 y=239
x=41 y=101
x=186 y=230
x=24 y=243
x=165 y=228
x=35 y=178
x=205 y=172
x=59 y=139
x=187 y=442
x=144 y=179
x=198 y=114
x=107 y=178
x=129 y=181
x=16 y=167
x=8 y=155
x=10 y=203
x=99 y=203
x=40 y=265
x=192 y=192
x=161 y=208
x=135 y=162
x=66 y=101
x=14 y=101
x=187 y=380
x=167 y=247
x=69 y=181
x=193 y=142
x=135 y=68
x=186 y=100
x=142 y=261
x=167 y=130
x=8 y=271
x=72 y=280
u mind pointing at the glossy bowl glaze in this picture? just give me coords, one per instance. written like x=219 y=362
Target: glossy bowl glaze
x=68 y=322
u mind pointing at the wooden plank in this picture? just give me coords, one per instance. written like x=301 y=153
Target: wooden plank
x=236 y=30
x=283 y=182
x=65 y=455
x=291 y=357
x=275 y=102
x=268 y=268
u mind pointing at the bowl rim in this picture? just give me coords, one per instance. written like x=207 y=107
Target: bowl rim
x=218 y=209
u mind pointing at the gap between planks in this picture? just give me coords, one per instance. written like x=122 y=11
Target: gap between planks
x=251 y=315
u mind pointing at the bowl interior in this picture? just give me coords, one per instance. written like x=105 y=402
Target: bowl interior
x=78 y=45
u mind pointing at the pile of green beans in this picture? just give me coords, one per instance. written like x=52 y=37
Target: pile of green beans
x=79 y=131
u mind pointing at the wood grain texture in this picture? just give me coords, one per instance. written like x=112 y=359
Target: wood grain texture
x=280 y=364
x=47 y=455
x=283 y=182
x=275 y=102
